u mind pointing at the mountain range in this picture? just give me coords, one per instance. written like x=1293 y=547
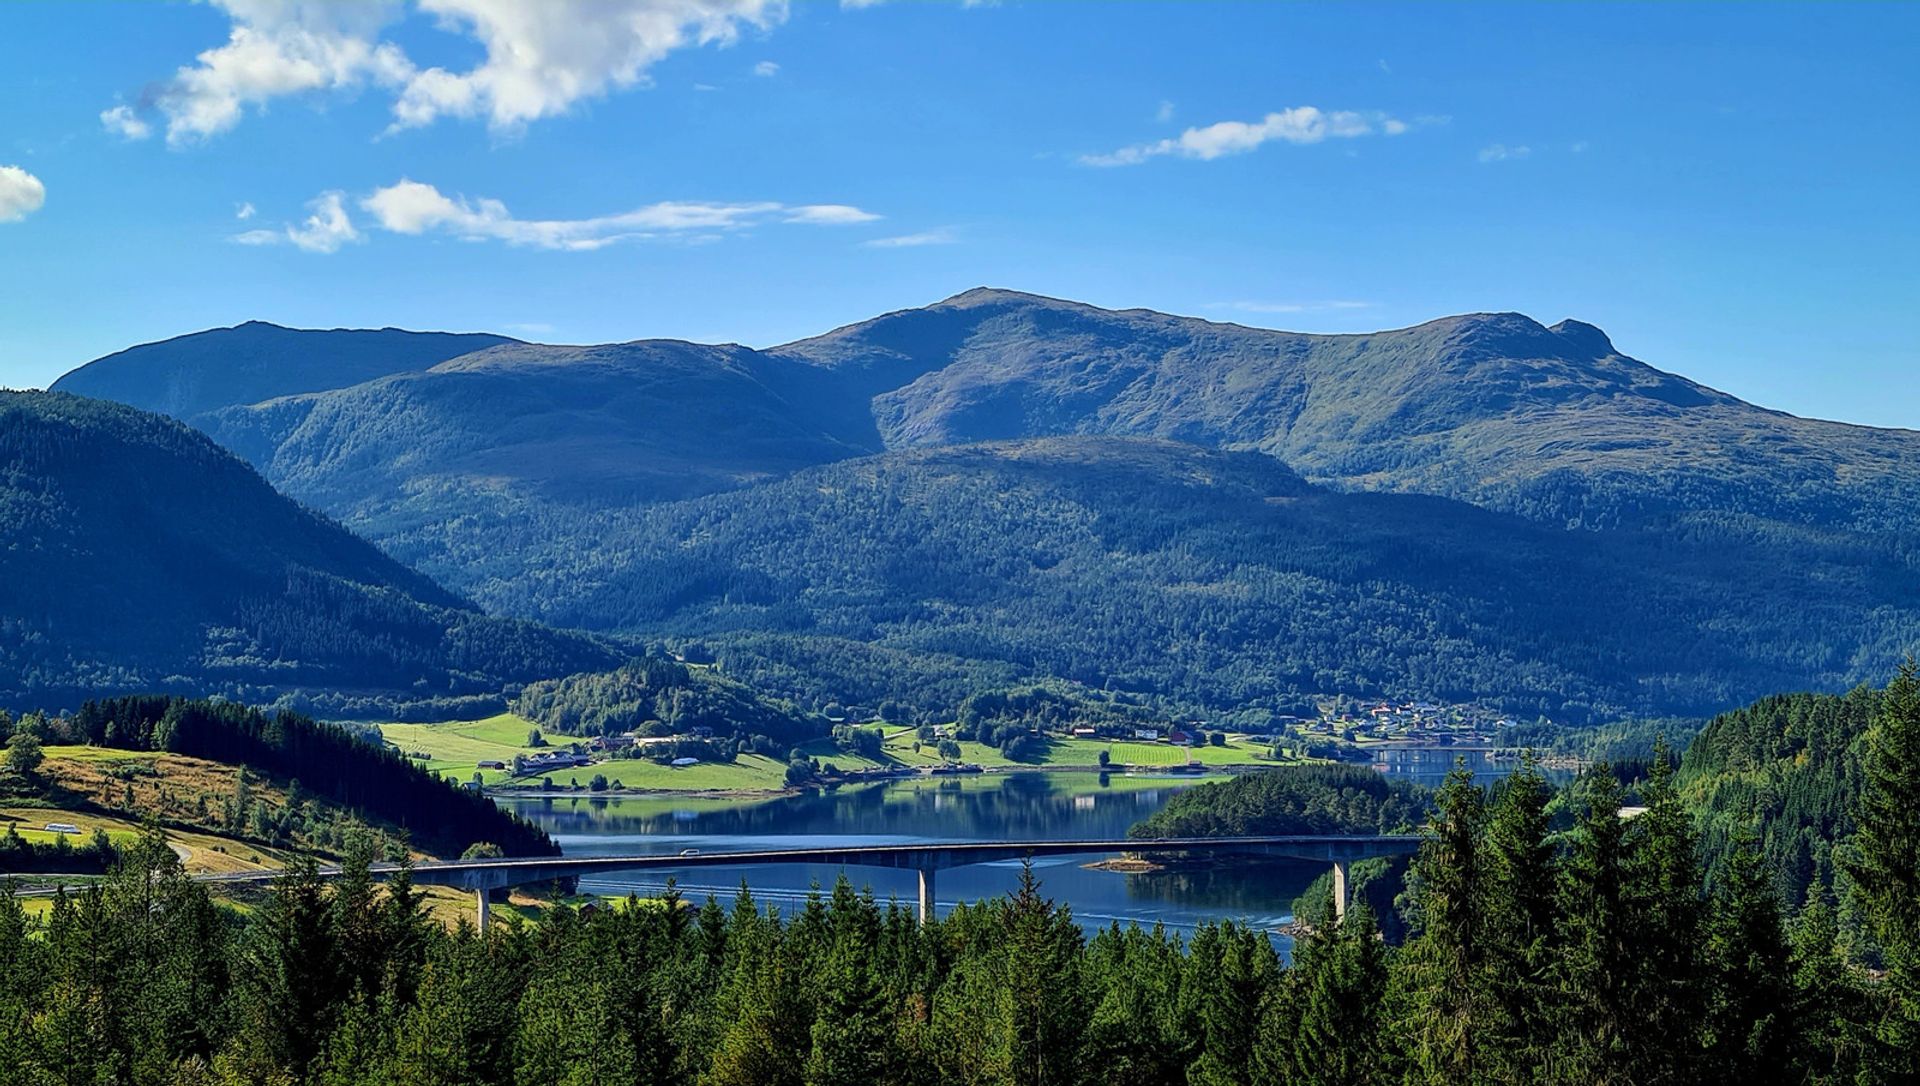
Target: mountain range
x=1001 y=486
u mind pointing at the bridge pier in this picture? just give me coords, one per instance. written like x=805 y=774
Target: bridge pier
x=480 y=902
x=1339 y=890
x=926 y=895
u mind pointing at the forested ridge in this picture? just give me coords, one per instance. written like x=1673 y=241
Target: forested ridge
x=1216 y=583
x=1789 y=769
x=1596 y=954
x=137 y=555
x=1315 y=799
x=653 y=696
x=380 y=785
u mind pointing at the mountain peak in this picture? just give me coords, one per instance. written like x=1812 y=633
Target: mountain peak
x=1584 y=336
x=993 y=295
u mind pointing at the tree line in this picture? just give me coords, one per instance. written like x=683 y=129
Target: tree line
x=1595 y=955
x=376 y=783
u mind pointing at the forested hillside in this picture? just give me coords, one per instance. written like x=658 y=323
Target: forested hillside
x=1631 y=543
x=1304 y=799
x=653 y=696
x=377 y=785
x=135 y=555
x=1219 y=581
x=1787 y=768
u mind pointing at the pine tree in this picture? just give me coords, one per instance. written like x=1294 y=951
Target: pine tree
x=852 y=1034
x=1448 y=996
x=1751 y=1024
x=1593 y=975
x=1886 y=865
x=1040 y=974
x=1328 y=1029
x=1517 y=919
x=1232 y=993
x=288 y=977
x=1828 y=1004
x=1671 y=980
x=1139 y=983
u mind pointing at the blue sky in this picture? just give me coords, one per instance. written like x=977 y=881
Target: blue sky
x=1733 y=192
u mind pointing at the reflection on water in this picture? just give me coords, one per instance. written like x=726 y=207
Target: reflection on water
x=1430 y=765
x=1000 y=807
x=997 y=807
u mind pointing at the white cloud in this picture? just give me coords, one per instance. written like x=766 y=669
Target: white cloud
x=277 y=48
x=942 y=236
x=535 y=328
x=1165 y=112
x=1580 y=147
x=540 y=58
x=1500 y=152
x=125 y=123
x=829 y=215
x=325 y=230
x=244 y=211
x=1291 y=307
x=766 y=69
x=21 y=194
x=1302 y=124
x=543 y=57
x=413 y=207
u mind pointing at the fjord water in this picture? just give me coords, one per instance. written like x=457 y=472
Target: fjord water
x=999 y=807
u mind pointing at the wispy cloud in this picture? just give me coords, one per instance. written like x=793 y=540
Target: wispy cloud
x=1300 y=125
x=21 y=194
x=245 y=210
x=326 y=228
x=1164 y=114
x=1291 y=307
x=944 y=235
x=122 y=121
x=766 y=69
x=532 y=328
x=828 y=215
x=1500 y=152
x=415 y=208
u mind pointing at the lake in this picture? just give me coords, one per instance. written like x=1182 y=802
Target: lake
x=994 y=807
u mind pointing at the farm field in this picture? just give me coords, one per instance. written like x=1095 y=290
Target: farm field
x=1064 y=753
x=457 y=748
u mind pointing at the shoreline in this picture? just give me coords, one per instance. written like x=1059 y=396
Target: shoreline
x=1143 y=772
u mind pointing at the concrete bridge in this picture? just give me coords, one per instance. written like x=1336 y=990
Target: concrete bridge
x=926 y=858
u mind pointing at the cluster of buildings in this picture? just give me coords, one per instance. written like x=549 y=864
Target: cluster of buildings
x=1408 y=722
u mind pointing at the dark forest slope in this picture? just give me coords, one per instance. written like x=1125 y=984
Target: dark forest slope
x=137 y=555
x=1221 y=580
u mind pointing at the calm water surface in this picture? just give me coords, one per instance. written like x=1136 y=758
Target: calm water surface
x=994 y=807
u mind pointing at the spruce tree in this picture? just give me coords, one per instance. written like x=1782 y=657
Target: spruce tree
x=1328 y=1029
x=1671 y=979
x=1448 y=998
x=1593 y=974
x=1886 y=865
x=1829 y=1005
x=1751 y=1023
x=1517 y=918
